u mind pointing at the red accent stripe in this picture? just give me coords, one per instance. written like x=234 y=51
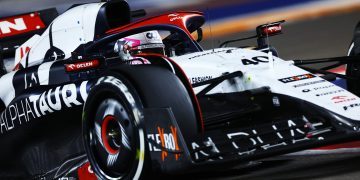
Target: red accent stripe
x=160 y=19
x=339 y=70
x=192 y=93
x=353 y=144
x=104 y=138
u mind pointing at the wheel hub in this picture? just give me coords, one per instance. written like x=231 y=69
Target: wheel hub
x=111 y=134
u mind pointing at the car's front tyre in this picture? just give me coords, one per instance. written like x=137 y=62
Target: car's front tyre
x=113 y=132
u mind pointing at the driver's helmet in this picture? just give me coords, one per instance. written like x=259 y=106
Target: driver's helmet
x=145 y=42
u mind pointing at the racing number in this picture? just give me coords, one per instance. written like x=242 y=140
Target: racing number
x=255 y=60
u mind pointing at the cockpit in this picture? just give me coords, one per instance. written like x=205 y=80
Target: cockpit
x=168 y=42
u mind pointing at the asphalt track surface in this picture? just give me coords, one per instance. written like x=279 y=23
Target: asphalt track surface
x=320 y=167
x=312 y=38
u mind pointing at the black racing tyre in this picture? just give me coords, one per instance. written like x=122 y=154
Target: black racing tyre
x=113 y=133
x=150 y=87
x=159 y=88
x=355 y=45
x=353 y=69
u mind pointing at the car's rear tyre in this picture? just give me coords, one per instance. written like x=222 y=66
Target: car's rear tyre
x=113 y=132
x=353 y=69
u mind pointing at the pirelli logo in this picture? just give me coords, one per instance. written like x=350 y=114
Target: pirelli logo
x=296 y=78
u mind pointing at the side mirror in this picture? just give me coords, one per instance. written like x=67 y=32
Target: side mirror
x=267 y=30
x=270 y=29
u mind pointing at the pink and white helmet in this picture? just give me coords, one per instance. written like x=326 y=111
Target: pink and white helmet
x=145 y=42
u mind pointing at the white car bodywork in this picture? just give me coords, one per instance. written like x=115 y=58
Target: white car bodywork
x=77 y=26
x=72 y=28
x=258 y=73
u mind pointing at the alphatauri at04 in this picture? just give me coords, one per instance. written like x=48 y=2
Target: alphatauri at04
x=70 y=102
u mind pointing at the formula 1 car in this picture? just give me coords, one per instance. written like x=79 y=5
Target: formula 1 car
x=72 y=106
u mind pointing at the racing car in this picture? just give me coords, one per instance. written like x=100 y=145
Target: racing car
x=71 y=105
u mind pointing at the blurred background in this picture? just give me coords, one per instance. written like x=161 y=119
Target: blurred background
x=313 y=28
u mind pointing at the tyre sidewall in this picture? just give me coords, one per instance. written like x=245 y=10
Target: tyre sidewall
x=116 y=87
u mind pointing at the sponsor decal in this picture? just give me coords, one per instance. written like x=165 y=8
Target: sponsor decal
x=351 y=106
x=318 y=88
x=139 y=61
x=167 y=140
x=208 y=53
x=330 y=92
x=253 y=61
x=20 y=24
x=309 y=83
x=297 y=78
x=338 y=98
x=149 y=35
x=82 y=65
x=37 y=106
x=270 y=30
x=342 y=99
x=276 y=101
x=130 y=43
x=194 y=80
x=248 y=141
x=174 y=17
x=324 y=87
x=208 y=143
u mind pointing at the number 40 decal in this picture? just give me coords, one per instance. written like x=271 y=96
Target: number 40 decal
x=255 y=60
